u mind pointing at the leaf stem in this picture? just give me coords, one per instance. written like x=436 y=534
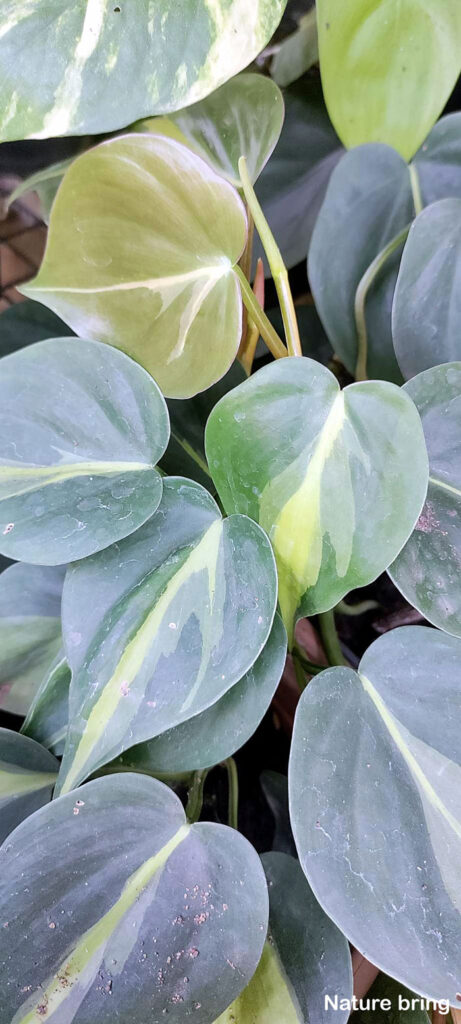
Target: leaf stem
x=415 y=188
x=233 y=783
x=361 y=294
x=276 y=264
x=266 y=330
x=195 y=796
x=330 y=638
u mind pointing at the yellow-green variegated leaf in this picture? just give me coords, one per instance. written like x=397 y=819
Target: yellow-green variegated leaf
x=242 y=118
x=375 y=804
x=48 y=716
x=142 y=259
x=388 y=68
x=30 y=631
x=82 y=428
x=305 y=958
x=105 y=64
x=113 y=908
x=160 y=626
x=28 y=773
x=336 y=478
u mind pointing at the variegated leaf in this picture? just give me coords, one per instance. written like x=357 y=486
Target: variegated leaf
x=427 y=571
x=242 y=118
x=375 y=784
x=48 y=716
x=218 y=732
x=82 y=428
x=336 y=478
x=28 y=773
x=160 y=626
x=30 y=631
x=305 y=957
x=143 y=259
x=105 y=64
x=129 y=913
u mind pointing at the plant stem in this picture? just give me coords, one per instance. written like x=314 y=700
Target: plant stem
x=195 y=797
x=330 y=638
x=415 y=189
x=266 y=330
x=245 y=263
x=276 y=264
x=364 y=286
x=233 y=783
x=357 y=609
x=304 y=661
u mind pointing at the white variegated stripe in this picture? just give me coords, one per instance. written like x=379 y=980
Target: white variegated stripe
x=203 y=557
x=238 y=32
x=15 y=480
x=176 y=281
x=18 y=783
x=79 y=969
x=445 y=486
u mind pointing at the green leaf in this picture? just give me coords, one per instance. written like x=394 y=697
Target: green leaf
x=387 y=68
x=30 y=631
x=45 y=183
x=298 y=52
x=305 y=957
x=427 y=304
x=336 y=478
x=371 y=200
x=143 y=260
x=28 y=773
x=242 y=118
x=160 y=626
x=81 y=475
x=27 y=322
x=136 y=914
x=427 y=570
x=105 y=65
x=223 y=728
x=48 y=716
x=385 y=990
x=292 y=187
x=185 y=455
x=375 y=776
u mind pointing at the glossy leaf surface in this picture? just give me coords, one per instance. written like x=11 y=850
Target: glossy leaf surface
x=30 y=631
x=82 y=428
x=371 y=199
x=223 y=728
x=304 y=959
x=48 y=716
x=375 y=781
x=387 y=68
x=135 y=913
x=143 y=259
x=336 y=478
x=27 y=322
x=427 y=570
x=171 y=55
x=160 y=626
x=427 y=305
x=242 y=118
x=28 y=773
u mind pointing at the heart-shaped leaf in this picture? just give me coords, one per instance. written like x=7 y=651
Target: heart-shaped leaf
x=375 y=807
x=218 y=732
x=359 y=236
x=82 y=428
x=160 y=626
x=105 y=65
x=388 y=70
x=28 y=773
x=27 y=322
x=143 y=259
x=48 y=716
x=304 y=960
x=242 y=118
x=426 y=312
x=136 y=914
x=336 y=478
x=30 y=631
x=427 y=570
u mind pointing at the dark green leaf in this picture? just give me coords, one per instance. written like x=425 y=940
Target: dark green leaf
x=28 y=322
x=28 y=773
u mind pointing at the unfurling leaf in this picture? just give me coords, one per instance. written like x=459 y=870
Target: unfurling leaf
x=135 y=913
x=82 y=428
x=161 y=625
x=143 y=259
x=28 y=773
x=336 y=478
x=375 y=782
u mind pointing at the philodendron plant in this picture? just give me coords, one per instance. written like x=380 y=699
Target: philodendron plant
x=173 y=511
